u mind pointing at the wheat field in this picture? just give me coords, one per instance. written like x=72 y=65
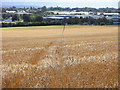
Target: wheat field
x=41 y=57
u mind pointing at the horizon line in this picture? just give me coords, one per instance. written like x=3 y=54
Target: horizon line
x=48 y=4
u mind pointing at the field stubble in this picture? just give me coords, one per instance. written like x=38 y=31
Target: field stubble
x=86 y=58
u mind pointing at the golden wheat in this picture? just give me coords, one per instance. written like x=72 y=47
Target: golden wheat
x=87 y=58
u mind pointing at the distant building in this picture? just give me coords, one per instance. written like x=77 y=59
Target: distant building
x=69 y=13
x=0 y=21
x=60 y=17
x=10 y=11
x=91 y=13
x=8 y=20
x=54 y=18
x=115 y=21
x=111 y=14
x=21 y=12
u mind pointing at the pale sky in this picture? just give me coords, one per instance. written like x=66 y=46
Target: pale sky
x=74 y=3
x=60 y=1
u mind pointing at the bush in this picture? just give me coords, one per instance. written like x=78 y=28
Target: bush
x=102 y=23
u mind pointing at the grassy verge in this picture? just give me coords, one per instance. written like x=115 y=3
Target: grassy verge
x=51 y=26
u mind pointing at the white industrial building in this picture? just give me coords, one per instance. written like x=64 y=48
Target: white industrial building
x=10 y=11
x=60 y=17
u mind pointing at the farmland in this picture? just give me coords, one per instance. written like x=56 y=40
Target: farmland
x=41 y=57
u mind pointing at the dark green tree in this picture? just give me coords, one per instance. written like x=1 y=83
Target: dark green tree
x=3 y=10
x=15 y=17
x=38 y=19
x=91 y=20
x=26 y=18
x=33 y=18
x=43 y=9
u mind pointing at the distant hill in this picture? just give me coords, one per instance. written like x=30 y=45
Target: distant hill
x=55 y=7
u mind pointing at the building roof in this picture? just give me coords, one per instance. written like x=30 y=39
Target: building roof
x=57 y=18
x=10 y=11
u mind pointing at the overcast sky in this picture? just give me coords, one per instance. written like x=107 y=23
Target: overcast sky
x=73 y=3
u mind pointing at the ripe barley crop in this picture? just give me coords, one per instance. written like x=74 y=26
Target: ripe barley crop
x=50 y=63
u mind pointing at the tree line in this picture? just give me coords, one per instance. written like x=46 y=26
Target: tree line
x=37 y=20
x=86 y=9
